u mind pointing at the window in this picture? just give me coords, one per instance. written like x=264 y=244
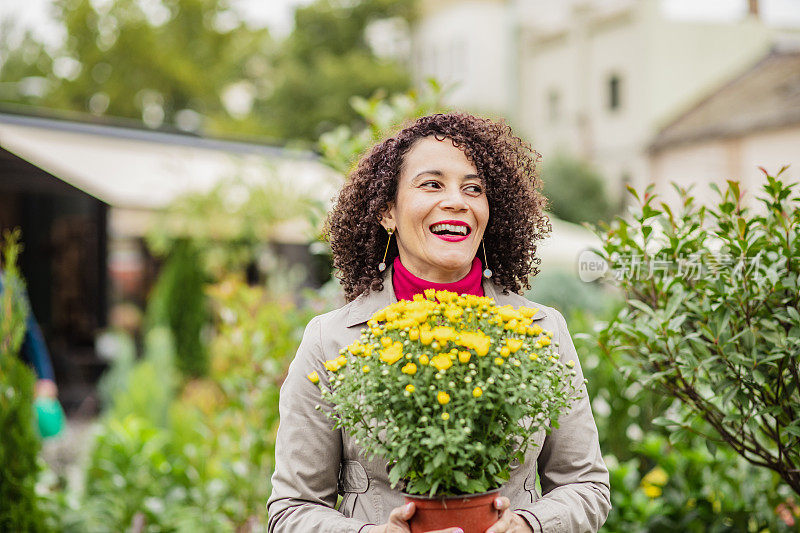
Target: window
x=614 y=92
x=553 y=105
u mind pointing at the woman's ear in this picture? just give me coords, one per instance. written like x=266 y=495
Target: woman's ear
x=387 y=220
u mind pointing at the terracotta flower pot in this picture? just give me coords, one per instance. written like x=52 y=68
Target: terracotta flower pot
x=473 y=513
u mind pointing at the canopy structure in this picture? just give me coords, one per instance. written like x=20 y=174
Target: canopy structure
x=136 y=171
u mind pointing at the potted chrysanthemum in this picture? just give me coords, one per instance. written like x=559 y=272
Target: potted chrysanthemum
x=449 y=390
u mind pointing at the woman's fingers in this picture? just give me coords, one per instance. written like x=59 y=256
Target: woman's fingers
x=501 y=503
x=504 y=524
x=398 y=518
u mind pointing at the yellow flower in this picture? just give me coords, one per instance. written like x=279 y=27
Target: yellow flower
x=441 y=362
x=430 y=293
x=356 y=348
x=409 y=368
x=528 y=312
x=393 y=353
x=512 y=324
x=443 y=398
x=403 y=323
x=651 y=491
x=365 y=369
x=535 y=329
x=453 y=313
x=335 y=364
x=498 y=361
x=313 y=377
x=504 y=351
x=477 y=392
x=386 y=341
x=533 y=356
x=413 y=334
x=379 y=316
x=418 y=316
x=476 y=340
x=514 y=345
x=446 y=296
x=376 y=332
x=657 y=476
x=508 y=313
x=571 y=363
x=423 y=359
x=444 y=334
x=544 y=341
x=464 y=357
x=425 y=336
x=445 y=416
x=410 y=388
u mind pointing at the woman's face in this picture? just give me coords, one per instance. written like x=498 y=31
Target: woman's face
x=440 y=211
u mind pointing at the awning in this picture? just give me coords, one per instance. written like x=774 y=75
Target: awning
x=143 y=169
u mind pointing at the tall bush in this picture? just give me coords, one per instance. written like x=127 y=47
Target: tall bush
x=19 y=444
x=575 y=190
x=713 y=316
x=179 y=302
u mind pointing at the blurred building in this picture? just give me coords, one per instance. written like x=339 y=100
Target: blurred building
x=749 y=122
x=597 y=79
x=85 y=194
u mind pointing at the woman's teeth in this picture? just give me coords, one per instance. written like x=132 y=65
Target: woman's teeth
x=451 y=228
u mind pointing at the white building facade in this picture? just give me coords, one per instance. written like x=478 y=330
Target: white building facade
x=596 y=79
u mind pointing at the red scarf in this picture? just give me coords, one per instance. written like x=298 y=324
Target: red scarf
x=406 y=284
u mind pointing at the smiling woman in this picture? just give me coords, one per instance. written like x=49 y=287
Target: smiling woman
x=434 y=199
x=440 y=212
x=486 y=156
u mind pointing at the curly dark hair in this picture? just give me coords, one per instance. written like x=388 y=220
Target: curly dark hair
x=505 y=163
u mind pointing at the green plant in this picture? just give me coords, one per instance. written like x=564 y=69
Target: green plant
x=19 y=447
x=712 y=317
x=446 y=379
x=199 y=456
x=342 y=146
x=179 y=302
x=575 y=190
x=686 y=487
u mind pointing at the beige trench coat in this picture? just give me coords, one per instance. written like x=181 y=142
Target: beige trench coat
x=314 y=463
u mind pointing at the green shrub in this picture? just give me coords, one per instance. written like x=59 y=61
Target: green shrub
x=199 y=458
x=179 y=302
x=567 y=293
x=713 y=317
x=19 y=444
x=686 y=487
x=575 y=190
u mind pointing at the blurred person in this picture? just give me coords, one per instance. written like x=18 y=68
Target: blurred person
x=433 y=201
x=34 y=352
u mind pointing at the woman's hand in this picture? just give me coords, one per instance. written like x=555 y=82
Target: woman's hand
x=46 y=388
x=398 y=522
x=509 y=522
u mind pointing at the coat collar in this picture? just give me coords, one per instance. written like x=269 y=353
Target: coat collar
x=363 y=307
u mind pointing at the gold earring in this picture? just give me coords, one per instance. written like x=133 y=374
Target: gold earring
x=382 y=264
x=487 y=273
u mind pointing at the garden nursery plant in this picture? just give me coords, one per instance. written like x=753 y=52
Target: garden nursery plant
x=713 y=316
x=449 y=390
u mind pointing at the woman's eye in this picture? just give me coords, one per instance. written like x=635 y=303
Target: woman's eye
x=475 y=189
x=431 y=184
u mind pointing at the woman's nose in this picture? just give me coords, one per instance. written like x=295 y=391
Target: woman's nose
x=454 y=200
